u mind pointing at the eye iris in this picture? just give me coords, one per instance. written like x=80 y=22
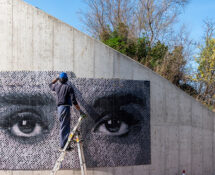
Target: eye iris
x=113 y=125
x=26 y=125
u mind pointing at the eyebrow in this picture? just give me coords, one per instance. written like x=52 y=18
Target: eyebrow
x=27 y=99
x=119 y=100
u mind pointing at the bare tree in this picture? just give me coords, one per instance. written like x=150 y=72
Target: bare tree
x=105 y=15
x=209 y=26
x=156 y=17
x=151 y=17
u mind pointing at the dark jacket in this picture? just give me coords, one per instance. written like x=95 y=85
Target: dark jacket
x=65 y=94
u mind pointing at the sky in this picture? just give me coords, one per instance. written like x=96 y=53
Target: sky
x=195 y=13
x=65 y=10
x=68 y=11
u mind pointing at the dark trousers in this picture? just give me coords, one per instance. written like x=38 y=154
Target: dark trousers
x=64 y=117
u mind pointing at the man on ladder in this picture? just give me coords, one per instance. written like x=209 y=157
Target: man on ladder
x=65 y=99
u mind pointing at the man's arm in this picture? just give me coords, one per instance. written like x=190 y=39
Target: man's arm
x=81 y=112
x=75 y=103
x=77 y=107
x=53 y=82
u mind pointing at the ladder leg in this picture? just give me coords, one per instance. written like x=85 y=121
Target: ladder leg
x=83 y=159
x=81 y=156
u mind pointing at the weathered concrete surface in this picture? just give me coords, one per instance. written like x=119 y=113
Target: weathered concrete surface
x=182 y=130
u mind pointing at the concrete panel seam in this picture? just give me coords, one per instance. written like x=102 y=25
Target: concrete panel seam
x=94 y=50
x=191 y=157
x=73 y=52
x=113 y=64
x=213 y=161
x=32 y=59
x=202 y=146
x=53 y=41
x=12 y=65
x=179 y=145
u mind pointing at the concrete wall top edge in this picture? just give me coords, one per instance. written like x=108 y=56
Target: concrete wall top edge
x=44 y=13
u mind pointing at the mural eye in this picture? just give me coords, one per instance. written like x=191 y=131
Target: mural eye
x=26 y=125
x=112 y=127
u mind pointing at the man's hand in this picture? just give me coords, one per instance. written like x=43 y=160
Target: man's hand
x=82 y=114
x=54 y=81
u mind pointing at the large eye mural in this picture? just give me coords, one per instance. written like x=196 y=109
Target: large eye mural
x=115 y=133
x=23 y=116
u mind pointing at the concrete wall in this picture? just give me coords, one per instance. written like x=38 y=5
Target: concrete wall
x=182 y=130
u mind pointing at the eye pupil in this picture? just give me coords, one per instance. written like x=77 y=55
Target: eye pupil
x=26 y=125
x=113 y=125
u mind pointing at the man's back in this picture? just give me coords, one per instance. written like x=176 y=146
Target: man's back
x=65 y=94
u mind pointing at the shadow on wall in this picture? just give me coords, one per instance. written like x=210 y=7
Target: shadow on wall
x=116 y=132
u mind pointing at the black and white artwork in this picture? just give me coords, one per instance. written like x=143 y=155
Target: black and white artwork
x=115 y=133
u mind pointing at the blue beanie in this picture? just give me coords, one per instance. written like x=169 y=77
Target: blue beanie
x=63 y=75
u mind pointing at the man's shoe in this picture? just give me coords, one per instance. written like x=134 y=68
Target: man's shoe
x=61 y=149
x=69 y=148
